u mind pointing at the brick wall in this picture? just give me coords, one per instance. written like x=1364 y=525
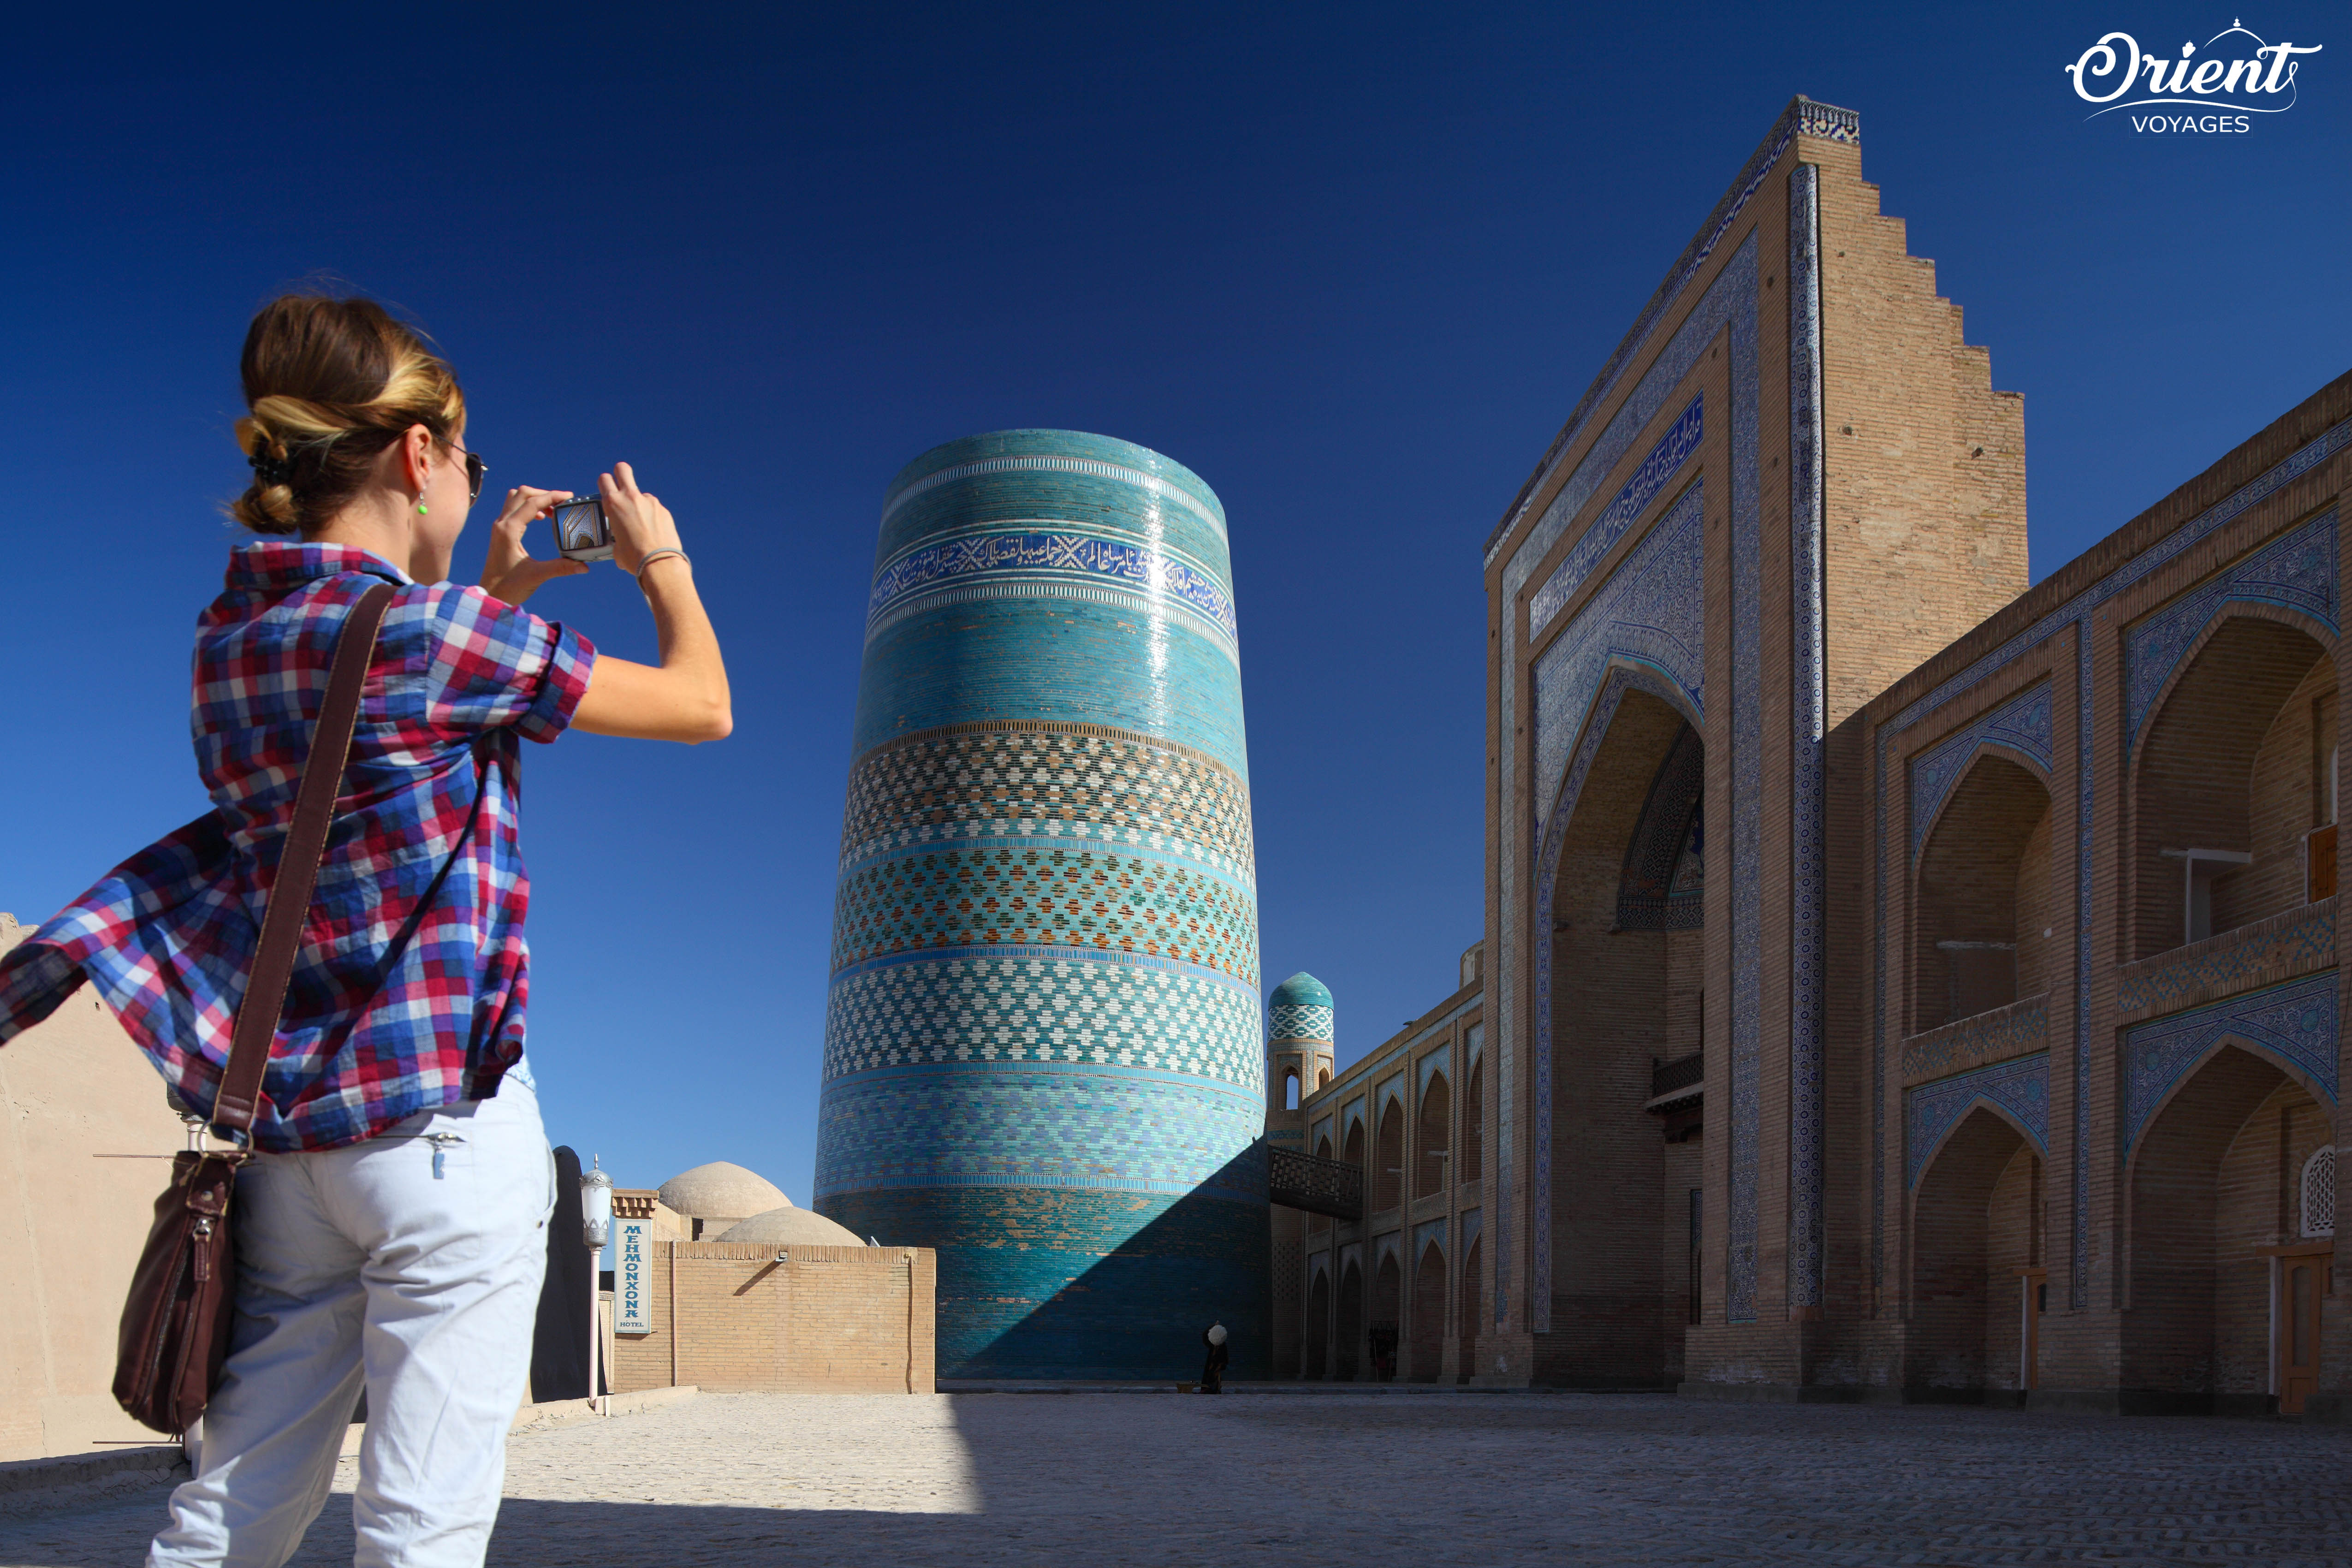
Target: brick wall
x=829 y=1320
x=2287 y=797
x=1924 y=463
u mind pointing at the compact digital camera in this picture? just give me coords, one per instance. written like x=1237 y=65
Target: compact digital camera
x=583 y=533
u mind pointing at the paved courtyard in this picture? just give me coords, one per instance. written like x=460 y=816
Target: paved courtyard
x=1359 y=1478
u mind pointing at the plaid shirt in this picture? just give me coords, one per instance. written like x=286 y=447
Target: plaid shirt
x=409 y=993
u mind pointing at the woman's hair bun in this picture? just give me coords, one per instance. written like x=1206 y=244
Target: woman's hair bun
x=329 y=383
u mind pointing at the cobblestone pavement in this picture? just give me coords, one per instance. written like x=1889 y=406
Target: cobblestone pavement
x=1362 y=1480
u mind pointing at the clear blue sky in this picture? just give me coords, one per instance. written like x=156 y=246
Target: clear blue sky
x=1353 y=265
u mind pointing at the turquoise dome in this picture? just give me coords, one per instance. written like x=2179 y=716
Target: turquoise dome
x=1301 y=990
x=1300 y=1009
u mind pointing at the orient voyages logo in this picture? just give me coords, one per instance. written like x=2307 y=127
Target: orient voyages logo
x=2225 y=85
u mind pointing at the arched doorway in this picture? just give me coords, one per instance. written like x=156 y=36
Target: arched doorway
x=1388 y=1168
x=2222 y=1286
x=1985 y=898
x=1435 y=1125
x=1976 y=1224
x=1388 y=1314
x=1347 y=1323
x=1427 y=1354
x=1624 y=1024
x=1317 y=1361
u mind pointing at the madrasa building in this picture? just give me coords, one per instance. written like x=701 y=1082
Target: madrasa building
x=1981 y=1043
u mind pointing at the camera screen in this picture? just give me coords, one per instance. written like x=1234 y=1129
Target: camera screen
x=580 y=531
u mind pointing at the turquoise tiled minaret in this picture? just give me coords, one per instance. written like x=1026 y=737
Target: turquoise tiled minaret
x=1041 y=1048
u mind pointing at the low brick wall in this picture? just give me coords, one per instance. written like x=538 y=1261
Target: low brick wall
x=819 y=1320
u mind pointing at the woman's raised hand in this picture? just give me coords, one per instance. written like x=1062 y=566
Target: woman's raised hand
x=511 y=572
x=641 y=524
x=685 y=697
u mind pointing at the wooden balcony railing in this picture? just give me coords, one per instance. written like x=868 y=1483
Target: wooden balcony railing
x=1299 y=1180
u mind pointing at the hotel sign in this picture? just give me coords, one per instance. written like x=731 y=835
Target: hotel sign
x=631 y=1241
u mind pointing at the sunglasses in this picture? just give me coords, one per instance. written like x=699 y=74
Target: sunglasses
x=475 y=469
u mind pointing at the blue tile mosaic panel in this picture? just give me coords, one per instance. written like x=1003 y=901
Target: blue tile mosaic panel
x=2021 y=1087
x=1021 y=563
x=2294 y=1023
x=1041 y=1048
x=1651 y=611
x=2022 y=723
x=1047 y=786
x=1808 y=1068
x=2305 y=942
x=1665 y=459
x=2296 y=571
x=1011 y=1004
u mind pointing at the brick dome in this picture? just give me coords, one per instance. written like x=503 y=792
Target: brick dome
x=721 y=1190
x=788 y=1227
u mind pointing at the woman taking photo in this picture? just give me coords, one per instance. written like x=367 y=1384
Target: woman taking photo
x=391 y=1229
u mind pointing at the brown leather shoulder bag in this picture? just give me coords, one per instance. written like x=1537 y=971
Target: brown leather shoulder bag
x=174 y=1335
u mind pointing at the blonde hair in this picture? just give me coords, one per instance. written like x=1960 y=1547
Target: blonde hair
x=330 y=384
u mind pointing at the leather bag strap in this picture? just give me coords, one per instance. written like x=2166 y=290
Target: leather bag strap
x=288 y=907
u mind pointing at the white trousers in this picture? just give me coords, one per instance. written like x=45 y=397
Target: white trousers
x=410 y=1264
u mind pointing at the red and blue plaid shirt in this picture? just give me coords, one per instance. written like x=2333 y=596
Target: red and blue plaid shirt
x=410 y=990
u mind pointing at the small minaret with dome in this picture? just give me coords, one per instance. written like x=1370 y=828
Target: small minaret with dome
x=1298 y=1060
x=1298 y=1041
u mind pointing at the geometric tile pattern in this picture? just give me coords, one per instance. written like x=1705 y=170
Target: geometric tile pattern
x=1063 y=897
x=2021 y=1087
x=1048 y=782
x=2016 y=1030
x=2022 y=723
x=1300 y=1009
x=1300 y=1021
x=1673 y=449
x=1649 y=612
x=2296 y=570
x=2294 y=1023
x=987 y=1006
x=2305 y=942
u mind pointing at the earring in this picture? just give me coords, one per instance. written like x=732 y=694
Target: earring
x=421 y=508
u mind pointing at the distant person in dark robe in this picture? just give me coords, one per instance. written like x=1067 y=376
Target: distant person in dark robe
x=1213 y=1371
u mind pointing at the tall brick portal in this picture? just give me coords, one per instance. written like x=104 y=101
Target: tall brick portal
x=1042 y=1050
